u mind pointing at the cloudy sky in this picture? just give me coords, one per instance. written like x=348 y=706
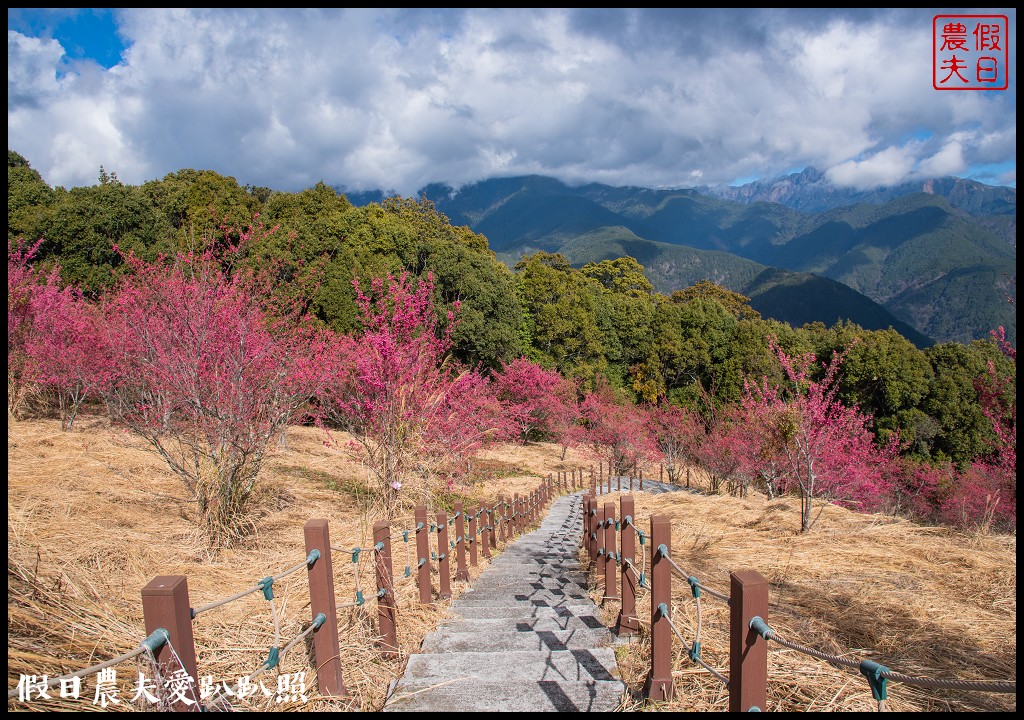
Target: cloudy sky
x=395 y=99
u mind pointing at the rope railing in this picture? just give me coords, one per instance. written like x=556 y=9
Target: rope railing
x=878 y=675
x=695 y=584
x=263 y=585
x=156 y=640
x=169 y=615
x=747 y=602
x=694 y=651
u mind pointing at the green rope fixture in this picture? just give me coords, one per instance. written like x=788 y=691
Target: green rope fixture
x=379 y=546
x=272 y=658
x=408 y=571
x=422 y=560
x=663 y=609
x=761 y=627
x=359 y=597
x=319 y=620
x=405 y=536
x=642 y=581
x=695 y=651
x=694 y=586
x=313 y=556
x=382 y=592
x=873 y=672
x=156 y=640
x=267 y=586
x=355 y=554
x=419 y=526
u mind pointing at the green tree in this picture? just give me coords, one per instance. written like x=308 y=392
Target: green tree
x=568 y=311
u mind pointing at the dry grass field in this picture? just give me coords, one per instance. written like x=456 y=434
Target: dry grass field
x=92 y=517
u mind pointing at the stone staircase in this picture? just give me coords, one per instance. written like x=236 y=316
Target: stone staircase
x=526 y=638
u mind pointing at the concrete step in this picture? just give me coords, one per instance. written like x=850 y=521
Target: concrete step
x=466 y=694
x=521 y=624
x=561 y=665
x=502 y=641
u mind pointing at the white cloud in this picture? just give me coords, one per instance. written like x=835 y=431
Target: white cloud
x=887 y=167
x=395 y=99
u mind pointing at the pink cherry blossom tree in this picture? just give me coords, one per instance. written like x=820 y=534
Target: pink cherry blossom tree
x=615 y=429
x=201 y=374
x=64 y=346
x=533 y=397
x=827 y=447
x=679 y=434
x=413 y=412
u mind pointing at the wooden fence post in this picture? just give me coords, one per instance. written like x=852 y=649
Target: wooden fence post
x=474 y=531
x=641 y=480
x=627 y=622
x=165 y=604
x=386 y=627
x=602 y=553
x=485 y=530
x=321 y=600
x=658 y=685
x=587 y=500
x=461 y=571
x=748 y=651
x=493 y=529
x=423 y=554
x=610 y=586
x=444 y=570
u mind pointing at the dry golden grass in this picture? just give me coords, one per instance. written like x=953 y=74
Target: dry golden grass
x=923 y=601
x=93 y=517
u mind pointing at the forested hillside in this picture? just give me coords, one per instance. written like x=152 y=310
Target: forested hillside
x=601 y=325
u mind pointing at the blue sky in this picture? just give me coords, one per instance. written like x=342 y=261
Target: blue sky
x=395 y=99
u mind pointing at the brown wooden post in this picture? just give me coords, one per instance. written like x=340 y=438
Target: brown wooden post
x=499 y=525
x=661 y=472
x=630 y=483
x=423 y=554
x=748 y=651
x=585 y=502
x=600 y=477
x=610 y=585
x=627 y=622
x=641 y=480
x=493 y=532
x=386 y=628
x=588 y=503
x=444 y=569
x=165 y=604
x=474 y=535
x=658 y=685
x=687 y=476
x=514 y=518
x=506 y=519
x=461 y=571
x=602 y=553
x=321 y=600
x=485 y=531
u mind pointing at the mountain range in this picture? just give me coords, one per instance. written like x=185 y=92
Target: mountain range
x=934 y=259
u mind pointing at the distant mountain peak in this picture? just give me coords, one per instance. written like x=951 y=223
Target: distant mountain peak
x=811 y=191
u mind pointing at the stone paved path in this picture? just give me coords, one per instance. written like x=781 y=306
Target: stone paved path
x=527 y=638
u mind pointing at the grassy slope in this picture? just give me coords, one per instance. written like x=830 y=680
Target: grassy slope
x=92 y=517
